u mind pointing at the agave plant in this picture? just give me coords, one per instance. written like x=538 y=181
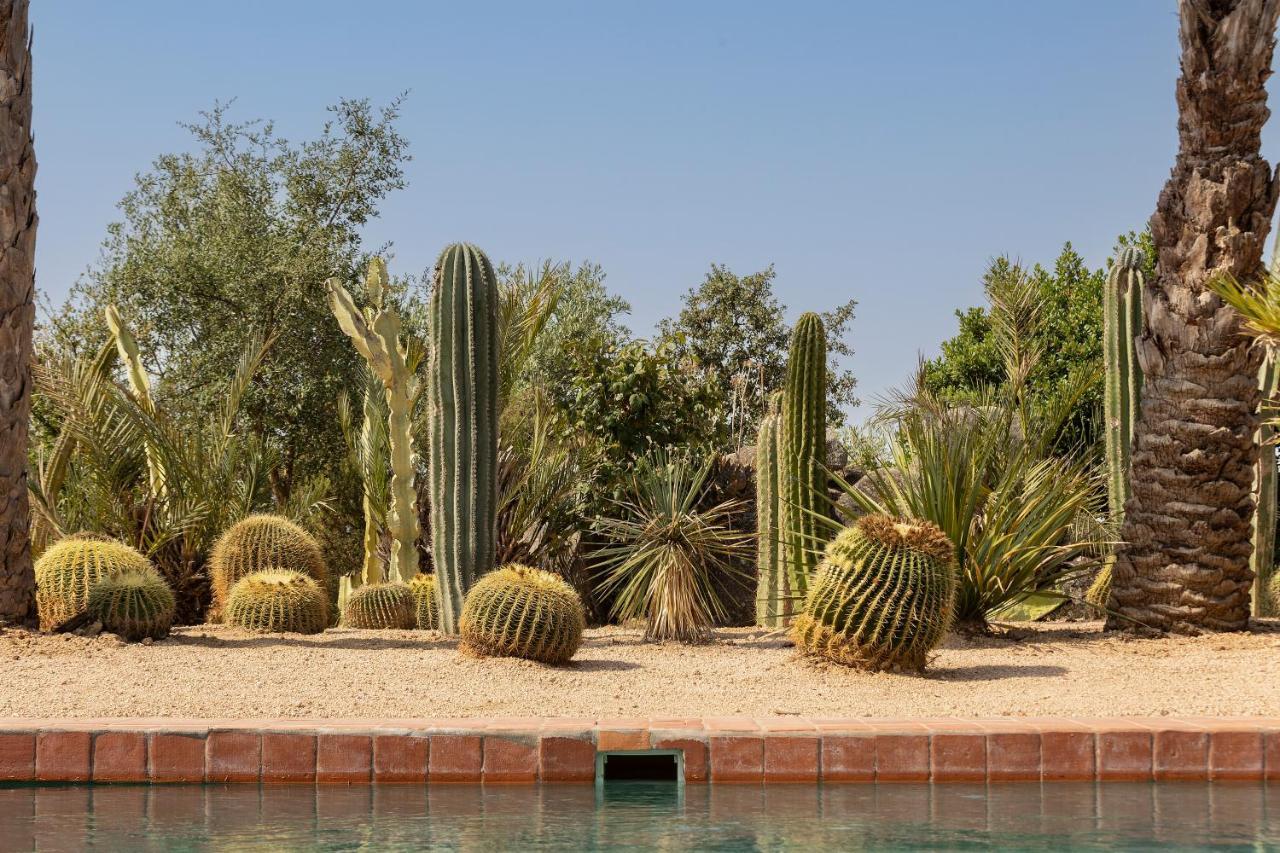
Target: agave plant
x=665 y=554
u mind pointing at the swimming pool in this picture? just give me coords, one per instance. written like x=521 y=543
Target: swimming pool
x=642 y=815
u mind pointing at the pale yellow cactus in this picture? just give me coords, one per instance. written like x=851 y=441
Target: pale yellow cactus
x=127 y=346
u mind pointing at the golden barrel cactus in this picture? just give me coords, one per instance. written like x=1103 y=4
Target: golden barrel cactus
x=426 y=607
x=518 y=611
x=134 y=604
x=68 y=570
x=278 y=602
x=380 y=605
x=261 y=543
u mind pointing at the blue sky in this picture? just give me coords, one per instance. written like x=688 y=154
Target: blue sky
x=883 y=152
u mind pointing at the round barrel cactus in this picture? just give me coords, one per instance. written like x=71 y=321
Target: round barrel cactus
x=261 y=543
x=518 y=611
x=277 y=602
x=69 y=569
x=134 y=604
x=380 y=605
x=883 y=597
x=426 y=609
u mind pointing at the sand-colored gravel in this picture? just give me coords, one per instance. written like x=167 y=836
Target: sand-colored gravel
x=219 y=672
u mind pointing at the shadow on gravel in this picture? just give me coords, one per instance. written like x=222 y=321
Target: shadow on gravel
x=994 y=672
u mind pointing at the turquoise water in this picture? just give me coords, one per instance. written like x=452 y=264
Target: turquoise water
x=644 y=816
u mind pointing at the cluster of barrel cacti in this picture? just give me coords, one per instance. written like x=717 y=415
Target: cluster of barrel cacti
x=261 y=543
x=518 y=611
x=278 y=601
x=92 y=577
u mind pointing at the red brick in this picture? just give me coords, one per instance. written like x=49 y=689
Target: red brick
x=177 y=758
x=902 y=758
x=288 y=757
x=63 y=756
x=791 y=759
x=566 y=759
x=609 y=740
x=848 y=759
x=1124 y=755
x=696 y=766
x=1235 y=755
x=233 y=757
x=1067 y=756
x=1271 y=760
x=1013 y=756
x=344 y=759
x=17 y=757
x=400 y=758
x=1180 y=755
x=455 y=758
x=737 y=759
x=120 y=757
x=959 y=757
x=509 y=760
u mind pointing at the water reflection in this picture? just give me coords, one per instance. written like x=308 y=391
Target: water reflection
x=1060 y=816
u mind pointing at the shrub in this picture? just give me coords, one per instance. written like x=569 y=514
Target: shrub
x=380 y=605
x=67 y=572
x=262 y=543
x=426 y=609
x=883 y=596
x=518 y=611
x=276 y=602
x=134 y=604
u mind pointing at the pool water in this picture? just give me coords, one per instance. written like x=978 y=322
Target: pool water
x=644 y=816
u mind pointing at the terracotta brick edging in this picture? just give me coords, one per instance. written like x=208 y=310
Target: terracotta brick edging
x=564 y=750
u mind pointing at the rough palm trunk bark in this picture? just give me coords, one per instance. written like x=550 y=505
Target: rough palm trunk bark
x=1185 y=567
x=17 y=313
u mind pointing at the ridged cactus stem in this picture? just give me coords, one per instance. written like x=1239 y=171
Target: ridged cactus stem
x=462 y=390
x=1264 y=516
x=802 y=450
x=1122 y=323
x=127 y=347
x=371 y=568
x=771 y=574
x=376 y=335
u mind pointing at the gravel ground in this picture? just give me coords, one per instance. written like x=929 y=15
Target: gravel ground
x=213 y=671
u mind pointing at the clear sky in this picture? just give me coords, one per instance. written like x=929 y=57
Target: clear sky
x=880 y=151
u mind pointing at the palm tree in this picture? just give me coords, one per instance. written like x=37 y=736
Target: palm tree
x=1184 y=566
x=17 y=310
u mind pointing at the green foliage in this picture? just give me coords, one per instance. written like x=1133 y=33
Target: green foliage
x=665 y=554
x=802 y=447
x=276 y=602
x=381 y=605
x=262 y=543
x=67 y=572
x=518 y=611
x=883 y=598
x=426 y=609
x=733 y=327
x=134 y=604
x=772 y=590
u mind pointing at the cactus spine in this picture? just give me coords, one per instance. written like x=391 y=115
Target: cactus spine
x=131 y=356
x=802 y=447
x=1121 y=325
x=771 y=579
x=462 y=379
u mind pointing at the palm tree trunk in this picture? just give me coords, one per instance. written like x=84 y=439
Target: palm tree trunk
x=1185 y=564
x=17 y=312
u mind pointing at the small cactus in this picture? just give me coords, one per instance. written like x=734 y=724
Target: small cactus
x=883 y=597
x=380 y=605
x=261 y=543
x=518 y=611
x=68 y=570
x=426 y=609
x=134 y=604
x=276 y=602
x=1099 y=592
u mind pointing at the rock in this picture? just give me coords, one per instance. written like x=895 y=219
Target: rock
x=146 y=641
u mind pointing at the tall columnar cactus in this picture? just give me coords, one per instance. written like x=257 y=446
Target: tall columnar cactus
x=521 y=612
x=131 y=357
x=883 y=597
x=376 y=335
x=802 y=449
x=771 y=581
x=67 y=572
x=1121 y=325
x=462 y=388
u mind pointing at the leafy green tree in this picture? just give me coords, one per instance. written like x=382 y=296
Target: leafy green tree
x=236 y=239
x=734 y=327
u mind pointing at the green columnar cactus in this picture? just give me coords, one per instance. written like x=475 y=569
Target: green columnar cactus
x=134 y=604
x=261 y=543
x=381 y=605
x=883 y=597
x=517 y=611
x=771 y=580
x=376 y=335
x=68 y=571
x=278 y=601
x=802 y=449
x=426 y=609
x=131 y=356
x=462 y=389
x=1121 y=325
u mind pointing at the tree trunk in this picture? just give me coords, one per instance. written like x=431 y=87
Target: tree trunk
x=1185 y=565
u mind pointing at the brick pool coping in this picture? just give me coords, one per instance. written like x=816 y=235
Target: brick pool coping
x=715 y=749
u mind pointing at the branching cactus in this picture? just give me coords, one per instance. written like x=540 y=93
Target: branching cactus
x=802 y=450
x=1121 y=325
x=376 y=335
x=462 y=388
x=517 y=611
x=771 y=583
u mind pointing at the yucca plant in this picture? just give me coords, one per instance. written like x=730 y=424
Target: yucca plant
x=666 y=555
